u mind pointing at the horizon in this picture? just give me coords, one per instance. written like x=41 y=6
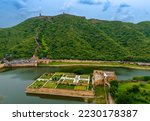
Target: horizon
x=134 y=11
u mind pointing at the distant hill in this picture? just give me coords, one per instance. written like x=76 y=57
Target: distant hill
x=73 y=37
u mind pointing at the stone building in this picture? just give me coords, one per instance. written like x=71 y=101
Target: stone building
x=103 y=77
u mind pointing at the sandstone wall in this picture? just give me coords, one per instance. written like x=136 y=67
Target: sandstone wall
x=22 y=65
x=62 y=92
x=1 y=65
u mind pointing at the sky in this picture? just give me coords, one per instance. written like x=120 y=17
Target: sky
x=13 y=12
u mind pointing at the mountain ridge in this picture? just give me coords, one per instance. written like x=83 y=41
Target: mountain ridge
x=75 y=37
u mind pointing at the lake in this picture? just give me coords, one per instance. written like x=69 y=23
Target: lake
x=13 y=83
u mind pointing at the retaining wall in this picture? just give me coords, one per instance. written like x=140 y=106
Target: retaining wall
x=22 y=65
x=1 y=65
x=61 y=92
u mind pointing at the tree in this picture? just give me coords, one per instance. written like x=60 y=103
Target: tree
x=125 y=98
x=78 y=71
x=134 y=89
x=113 y=88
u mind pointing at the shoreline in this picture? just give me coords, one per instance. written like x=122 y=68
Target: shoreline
x=96 y=65
x=83 y=64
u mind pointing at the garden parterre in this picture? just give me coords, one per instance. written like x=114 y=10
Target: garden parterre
x=58 y=80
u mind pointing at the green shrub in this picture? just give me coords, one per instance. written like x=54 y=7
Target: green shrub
x=134 y=89
x=138 y=78
x=113 y=88
x=125 y=98
x=142 y=84
x=78 y=71
x=113 y=91
x=146 y=78
x=142 y=78
x=114 y=83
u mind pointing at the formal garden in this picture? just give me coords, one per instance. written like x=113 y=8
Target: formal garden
x=46 y=76
x=50 y=84
x=37 y=84
x=58 y=80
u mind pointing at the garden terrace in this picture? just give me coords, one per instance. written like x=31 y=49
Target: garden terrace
x=80 y=88
x=68 y=81
x=37 y=84
x=46 y=76
x=63 y=84
x=50 y=84
x=57 y=76
x=66 y=86
x=85 y=82
x=84 y=76
x=71 y=76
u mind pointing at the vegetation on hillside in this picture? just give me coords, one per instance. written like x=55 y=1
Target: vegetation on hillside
x=131 y=92
x=73 y=37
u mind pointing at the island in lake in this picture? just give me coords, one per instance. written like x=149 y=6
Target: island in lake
x=72 y=85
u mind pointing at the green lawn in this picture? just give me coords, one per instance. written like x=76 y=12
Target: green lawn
x=107 y=64
x=59 y=73
x=57 y=76
x=100 y=95
x=71 y=75
x=50 y=85
x=84 y=76
x=65 y=86
x=83 y=82
x=68 y=81
x=99 y=91
x=80 y=88
x=37 y=84
x=46 y=76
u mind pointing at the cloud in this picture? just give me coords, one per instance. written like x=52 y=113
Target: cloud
x=146 y=12
x=124 y=13
x=90 y=2
x=68 y=5
x=127 y=17
x=122 y=6
x=106 y=5
x=21 y=9
x=18 y=4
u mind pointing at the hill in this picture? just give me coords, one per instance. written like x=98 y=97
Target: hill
x=73 y=37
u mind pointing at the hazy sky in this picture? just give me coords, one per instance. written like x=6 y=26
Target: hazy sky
x=13 y=12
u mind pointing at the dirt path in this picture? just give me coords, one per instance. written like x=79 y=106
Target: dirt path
x=111 y=101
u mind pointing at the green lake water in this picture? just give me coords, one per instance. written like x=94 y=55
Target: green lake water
x=14 y=81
